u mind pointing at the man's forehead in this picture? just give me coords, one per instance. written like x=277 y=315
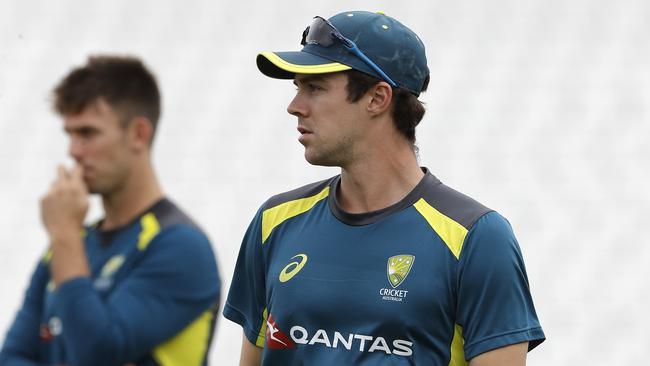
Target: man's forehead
x=84 y=119
x=304 y=78
x=96 y=110
x=95 y=106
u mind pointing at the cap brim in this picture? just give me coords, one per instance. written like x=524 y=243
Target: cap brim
x=285 y=65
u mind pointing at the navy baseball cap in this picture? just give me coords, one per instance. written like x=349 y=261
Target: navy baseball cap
x=388 y=45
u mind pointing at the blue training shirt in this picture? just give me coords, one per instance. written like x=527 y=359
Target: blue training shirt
x=152 y=299
x=435 y=279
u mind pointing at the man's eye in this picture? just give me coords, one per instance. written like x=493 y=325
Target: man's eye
x=86 y=132
x=313 y=87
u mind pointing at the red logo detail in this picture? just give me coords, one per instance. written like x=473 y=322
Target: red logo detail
x=275 y=339
x=45 y=334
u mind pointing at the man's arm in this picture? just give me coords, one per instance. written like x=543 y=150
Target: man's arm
x=63 y=210
x=246 y=304
x=251 y=355
x=495 y=307
x=512 y=355
x=171 y=287
x=22 y=341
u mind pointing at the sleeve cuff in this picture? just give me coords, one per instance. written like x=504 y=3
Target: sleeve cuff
x=534 y=336
x=236 y=316
x=69 y=291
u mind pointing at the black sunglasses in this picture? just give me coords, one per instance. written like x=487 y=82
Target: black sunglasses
x=323 y=33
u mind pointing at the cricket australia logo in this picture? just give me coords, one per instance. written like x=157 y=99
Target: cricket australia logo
x=105 y=279
x=397 y=269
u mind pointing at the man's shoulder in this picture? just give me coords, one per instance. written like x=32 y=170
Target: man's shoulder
x=175 y=237
x=167 y=214
x=458 y=206
x=168 y=223
x=318 y=189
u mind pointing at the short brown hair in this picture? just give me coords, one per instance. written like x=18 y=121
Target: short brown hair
x=407 y=110
x=122 y=81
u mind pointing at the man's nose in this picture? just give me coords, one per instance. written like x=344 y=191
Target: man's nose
x=298 y=107
x=76 y=148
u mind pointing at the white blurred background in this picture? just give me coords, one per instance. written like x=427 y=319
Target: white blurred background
x=538 y=108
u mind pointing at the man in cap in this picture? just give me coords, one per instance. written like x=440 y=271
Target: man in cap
x=382 y=264
x=141 y=286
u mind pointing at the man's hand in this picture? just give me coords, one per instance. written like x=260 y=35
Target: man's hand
x=64 y=207
x=63 y=210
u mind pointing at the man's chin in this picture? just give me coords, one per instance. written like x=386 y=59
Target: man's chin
x=320 y=160
x=92 y=188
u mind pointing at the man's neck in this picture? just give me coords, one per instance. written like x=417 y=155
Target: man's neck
x=140 y=191
x=379 y=181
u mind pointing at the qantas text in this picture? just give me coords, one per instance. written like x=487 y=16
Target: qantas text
x=364 y=343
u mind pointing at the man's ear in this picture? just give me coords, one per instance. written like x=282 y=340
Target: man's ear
x=381 y=96
x=140 y=133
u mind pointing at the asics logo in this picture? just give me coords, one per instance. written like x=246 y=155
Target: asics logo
x=293 y=268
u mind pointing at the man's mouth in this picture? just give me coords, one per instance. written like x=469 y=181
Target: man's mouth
x=303 y=130
x=304 y=134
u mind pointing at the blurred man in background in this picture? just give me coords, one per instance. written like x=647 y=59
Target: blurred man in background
x=382 y=264
x=141 y=286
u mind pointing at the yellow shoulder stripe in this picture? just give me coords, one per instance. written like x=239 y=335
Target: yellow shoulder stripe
x=457 y=350
x=189 y=347
x=150 y=227
x=47 y=257
x=451 y=232
x=275 y=216
x=261 y=336
x=304 y=69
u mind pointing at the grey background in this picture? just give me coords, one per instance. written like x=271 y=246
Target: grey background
x=537 y=108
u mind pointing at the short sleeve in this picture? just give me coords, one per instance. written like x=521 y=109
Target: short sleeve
x=495 y=306
x=246 y=303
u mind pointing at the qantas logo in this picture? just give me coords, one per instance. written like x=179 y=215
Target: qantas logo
x=51 y=329
x=275 y=339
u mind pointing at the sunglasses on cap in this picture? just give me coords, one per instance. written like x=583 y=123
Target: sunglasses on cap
x=323 y=33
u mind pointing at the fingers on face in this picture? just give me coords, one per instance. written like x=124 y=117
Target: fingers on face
x=74 y=174
x=68 y=180
x=78 y=171
x=62 y=173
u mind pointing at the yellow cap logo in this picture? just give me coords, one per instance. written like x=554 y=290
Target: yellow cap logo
x=293 y=268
